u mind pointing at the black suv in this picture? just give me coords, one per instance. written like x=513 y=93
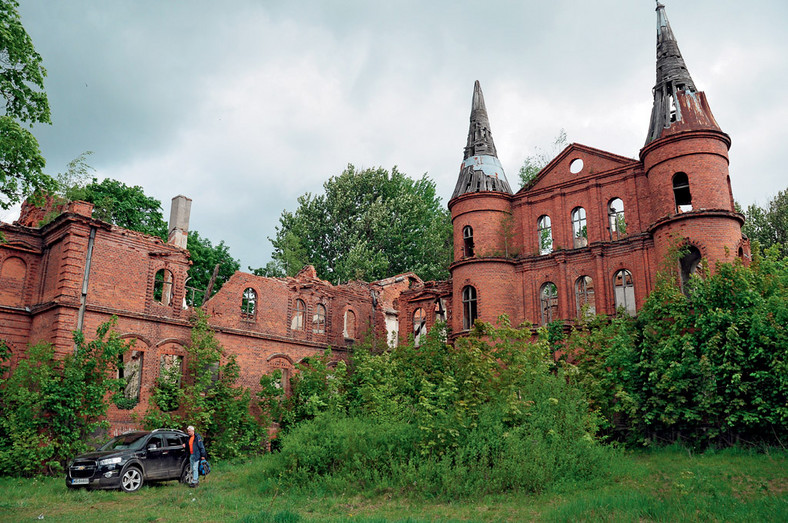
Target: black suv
x=129 y=460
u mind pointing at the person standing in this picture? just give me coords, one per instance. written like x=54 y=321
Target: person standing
x=196 y=453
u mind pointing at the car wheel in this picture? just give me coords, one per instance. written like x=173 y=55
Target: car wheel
x=131 y=479
x=186 y=473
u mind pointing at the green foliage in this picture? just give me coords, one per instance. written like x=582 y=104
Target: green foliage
x=209 y=399
x=534 y=163
x=488 y=414
x=368 y=224
x=706 y=368
x=24 y=101
x=769 y=226
x=117 y=203
x=51 y=405
x=205 y=256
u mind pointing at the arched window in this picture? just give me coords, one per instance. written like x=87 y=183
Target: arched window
x=319 y=320
x=624 y=291
x=688 y=264
x=13 y=272
x=249 y=303
x=469 y=311
x=545 y=232
x=297 y=323
x=681 y=192
x=579 y=229
x=584 y=296
x=162 y=287
x=419 y=326
x=548 y=298
x=350 y=325
x=131 y=372
x=467 y=237
x=615 y=214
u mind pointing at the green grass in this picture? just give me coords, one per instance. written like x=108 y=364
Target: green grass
x=666 y=485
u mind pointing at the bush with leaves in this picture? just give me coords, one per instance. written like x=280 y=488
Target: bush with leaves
x=209 y=398
x=706 y=367
x=489 y=413
x=52 y=406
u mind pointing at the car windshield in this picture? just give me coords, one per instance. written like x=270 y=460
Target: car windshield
x=131 y=441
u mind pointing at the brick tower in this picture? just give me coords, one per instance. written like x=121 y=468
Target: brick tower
x=685 y=159
x=482 y=220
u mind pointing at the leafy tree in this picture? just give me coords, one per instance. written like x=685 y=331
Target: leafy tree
x=25 y=102
x=209 y=398
x=117 y=203
x=769 y=225
x=368 y=224
x=537 y=161
x=51 y=406
x=205 y=257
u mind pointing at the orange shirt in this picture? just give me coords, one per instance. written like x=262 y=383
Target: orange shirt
x=191 y=443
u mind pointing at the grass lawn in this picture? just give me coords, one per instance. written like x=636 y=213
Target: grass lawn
x=664 y=485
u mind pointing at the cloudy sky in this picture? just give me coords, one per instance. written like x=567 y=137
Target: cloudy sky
x=245 y=105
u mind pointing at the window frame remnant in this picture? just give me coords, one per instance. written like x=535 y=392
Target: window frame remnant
x=617 y=222
x=624 y=291
x=544 y=234
x=249 y=303
x=299 y=315
x=419 y=325
x=467 y=238
x=688 y=265
x=681 y=192
x=163 y=286
x=585 y=296
x=319 y=319
x=470 y=311
x=350 y=325
x=579 y=228
x=548 y=303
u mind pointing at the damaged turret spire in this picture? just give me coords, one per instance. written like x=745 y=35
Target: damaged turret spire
x=673 y=82
x=481 y=170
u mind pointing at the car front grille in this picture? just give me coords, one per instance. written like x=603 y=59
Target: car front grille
x=82 y=469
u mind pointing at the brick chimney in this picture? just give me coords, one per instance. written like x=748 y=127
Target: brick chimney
x=179 y=221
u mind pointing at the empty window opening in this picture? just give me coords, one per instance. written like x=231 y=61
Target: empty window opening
x=672 y=108
x=624 y=292
x=419 y=326
x=584 y=296
x=249 y=303
x=576 y=166
x=688 y=265
x=170 y=373
x=617 y=223
x=467 y=237
x=130 y=371
x=545 y=234
x=469 y=310
x=548 y=298
x=297 y=322
x=162 y=287
x=350 y=325
x=579 y=228
x=319 y=320
x=681 y=192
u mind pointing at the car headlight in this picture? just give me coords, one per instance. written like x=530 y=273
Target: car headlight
x=109 y=461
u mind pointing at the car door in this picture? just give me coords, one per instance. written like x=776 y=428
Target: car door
x=176 y=454
x=155 y=458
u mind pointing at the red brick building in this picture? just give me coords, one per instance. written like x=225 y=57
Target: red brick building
x=588 y=234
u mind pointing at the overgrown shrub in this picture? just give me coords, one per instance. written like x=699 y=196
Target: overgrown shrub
x=705 y=367
x=208 y=398
x=52 y=406
x=485 y=415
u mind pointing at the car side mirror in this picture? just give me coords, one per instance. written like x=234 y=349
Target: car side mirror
x=152 y=447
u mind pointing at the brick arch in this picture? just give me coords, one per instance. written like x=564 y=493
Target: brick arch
x=280 y=355
x=143 y=339
x=13 y=273
x=176 y=341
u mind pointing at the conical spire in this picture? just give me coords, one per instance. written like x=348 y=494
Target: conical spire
x=673 y=78
x=480 y=139
x=481 y=170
